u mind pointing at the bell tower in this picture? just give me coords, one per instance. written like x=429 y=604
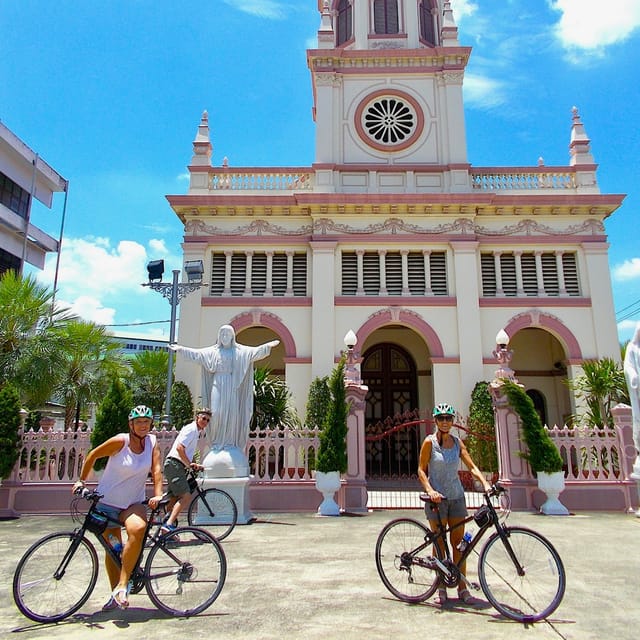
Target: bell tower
x=387 y=88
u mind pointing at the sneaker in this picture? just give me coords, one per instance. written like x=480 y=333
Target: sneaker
x=167 y=528
x=110 y=604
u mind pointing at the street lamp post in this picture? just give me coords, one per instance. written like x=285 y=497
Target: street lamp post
x=173 y=292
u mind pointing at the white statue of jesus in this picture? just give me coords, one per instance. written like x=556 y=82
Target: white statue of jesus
x=228 y=382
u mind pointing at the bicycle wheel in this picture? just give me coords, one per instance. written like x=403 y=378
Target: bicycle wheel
x=401 y=559
x=55 y=577
x=215 y=509
x=528 y=597
x=185 y=571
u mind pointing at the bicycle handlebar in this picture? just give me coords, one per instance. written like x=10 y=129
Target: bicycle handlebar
x=88 y=494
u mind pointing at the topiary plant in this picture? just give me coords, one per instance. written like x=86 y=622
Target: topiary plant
x=481 y=441
x=332 y=452
x=542 y=453
x=9 y=429
x=181 y=405
x=318 y=402
x=112 y=418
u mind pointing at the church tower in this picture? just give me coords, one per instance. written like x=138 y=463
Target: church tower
x=387 y=90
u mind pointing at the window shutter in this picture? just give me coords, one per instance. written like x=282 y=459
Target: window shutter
x=488 y=268
x=349 y=273
x=438 y=264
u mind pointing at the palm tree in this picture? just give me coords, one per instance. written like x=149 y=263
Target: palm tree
x=30 y=353
x=272 y=402
x=91 y=358
x=148 y=379
x=601 y=386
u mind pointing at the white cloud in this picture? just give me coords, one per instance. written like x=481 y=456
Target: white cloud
x=463 y=9
x=483 y=92
x=628 y=270
x=90 y=309
x=262 y=8
x=590 y=25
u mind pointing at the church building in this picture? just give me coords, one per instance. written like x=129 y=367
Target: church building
x=393 y=234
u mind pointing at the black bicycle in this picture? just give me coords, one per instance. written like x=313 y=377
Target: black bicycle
x=213 y=508
x=520 y=572
x=183 y=573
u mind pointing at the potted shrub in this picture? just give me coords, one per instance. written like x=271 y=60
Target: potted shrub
x=542 y=454
x=332 y=452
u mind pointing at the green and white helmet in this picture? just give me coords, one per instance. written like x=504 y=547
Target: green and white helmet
x=443 y=409
x=141 y=411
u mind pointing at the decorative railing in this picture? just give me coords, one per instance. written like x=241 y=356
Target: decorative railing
x=57 y=456
x=277 y=455
x=525 y=179
x=238 y=180
x=590 y=453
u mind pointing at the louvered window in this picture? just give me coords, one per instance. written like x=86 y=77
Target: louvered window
x=349 y=274
x=427 y=29
x=344 y=22
x=371 y=273
x=218 y=270
x=529 y=274
x=385 y=16
x=508 y=272
x=299 y=274
x=258 y=274
x=570 y=269
x=238 y=273
x=393 y=273
x=251 y=276
x=550 y=274
x=415 y=263
x=438 y=263
x=279 y=274
x=488 y=268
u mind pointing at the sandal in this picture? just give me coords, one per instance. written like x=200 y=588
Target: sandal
x=110 y=604
x=119 y=596
x=467 y=598
x=441 y=598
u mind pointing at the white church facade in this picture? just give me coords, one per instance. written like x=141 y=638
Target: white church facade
x=393 y=234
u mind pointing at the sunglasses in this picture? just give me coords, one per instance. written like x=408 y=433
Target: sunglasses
x=444 y=418
x=205 y=418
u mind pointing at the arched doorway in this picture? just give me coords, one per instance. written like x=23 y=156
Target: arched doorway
x=389 y=371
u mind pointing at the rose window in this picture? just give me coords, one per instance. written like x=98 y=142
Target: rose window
x=389 y=121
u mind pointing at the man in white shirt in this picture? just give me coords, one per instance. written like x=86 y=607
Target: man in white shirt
x=178 y=461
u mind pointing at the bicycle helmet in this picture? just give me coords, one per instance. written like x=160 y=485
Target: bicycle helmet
x=141 y=411
x=443 y=409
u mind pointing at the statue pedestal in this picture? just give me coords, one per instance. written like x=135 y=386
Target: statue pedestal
x=227 y=468
x=635 y=475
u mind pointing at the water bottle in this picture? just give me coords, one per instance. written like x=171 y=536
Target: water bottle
x=116 y=545
x=466 y=539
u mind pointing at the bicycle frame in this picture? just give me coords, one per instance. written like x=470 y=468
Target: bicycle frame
x=439 y=538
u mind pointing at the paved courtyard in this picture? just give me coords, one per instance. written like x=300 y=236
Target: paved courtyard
x=301 y=576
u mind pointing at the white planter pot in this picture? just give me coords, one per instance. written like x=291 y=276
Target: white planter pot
x=327 y=484
x=553 y=485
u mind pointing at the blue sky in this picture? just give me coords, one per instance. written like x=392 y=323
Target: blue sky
x=110 y=94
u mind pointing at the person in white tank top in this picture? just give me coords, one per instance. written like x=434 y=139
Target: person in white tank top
x=131 y=457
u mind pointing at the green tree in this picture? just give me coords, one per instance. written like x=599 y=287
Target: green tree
x=542 y=453
x=272 y=406
x=9 y=429
x=112 y=417
x=481 y=441
x=30 y=352
x=182 y=411
x=90 y=358
x=601 y=386
x=148 y=379
x=318 y=402
x=332 y=452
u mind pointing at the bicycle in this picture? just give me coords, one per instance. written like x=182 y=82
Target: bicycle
x=212 y=507
x=184 y=571
x=520 y=572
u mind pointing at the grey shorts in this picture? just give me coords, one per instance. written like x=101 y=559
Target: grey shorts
x=113 y=513
x=176 y=474
x=448 y=509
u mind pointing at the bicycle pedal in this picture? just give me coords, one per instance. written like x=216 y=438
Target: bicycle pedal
x=475 y=586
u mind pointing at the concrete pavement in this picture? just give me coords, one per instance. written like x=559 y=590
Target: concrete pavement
x=301 y=576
